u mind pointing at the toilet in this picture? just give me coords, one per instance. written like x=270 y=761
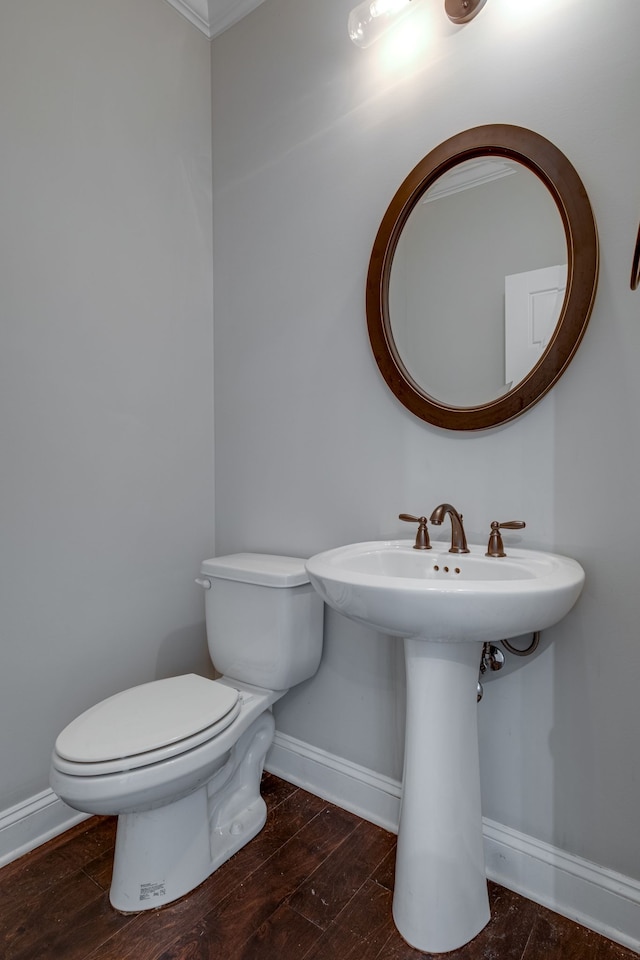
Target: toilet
x=179 y=761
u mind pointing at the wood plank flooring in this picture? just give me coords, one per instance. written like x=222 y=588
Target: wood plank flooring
x=315 y=884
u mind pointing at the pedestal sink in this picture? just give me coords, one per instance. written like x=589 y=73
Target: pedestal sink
x=444 y=606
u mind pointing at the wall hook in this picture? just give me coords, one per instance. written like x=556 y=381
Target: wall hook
x=635 y=266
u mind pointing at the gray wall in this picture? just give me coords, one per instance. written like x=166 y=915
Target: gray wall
x=311 y=138
x=106 y=410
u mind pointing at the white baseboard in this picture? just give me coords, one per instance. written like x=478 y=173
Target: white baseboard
x=368 y=794
x=598 y=898
x=33 y=822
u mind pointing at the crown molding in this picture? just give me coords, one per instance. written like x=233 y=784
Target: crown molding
x=471 y=173
x=213 y=17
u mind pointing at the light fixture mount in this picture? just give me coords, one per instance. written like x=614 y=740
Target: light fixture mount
x=461 y=11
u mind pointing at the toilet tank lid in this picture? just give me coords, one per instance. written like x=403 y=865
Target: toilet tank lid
x=260 y=568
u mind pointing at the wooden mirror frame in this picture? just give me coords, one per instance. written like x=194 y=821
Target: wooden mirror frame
x=547 y=162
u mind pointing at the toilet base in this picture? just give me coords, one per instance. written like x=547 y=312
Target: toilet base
x=164 y=853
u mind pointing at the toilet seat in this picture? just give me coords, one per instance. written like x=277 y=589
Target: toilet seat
x=145 y=725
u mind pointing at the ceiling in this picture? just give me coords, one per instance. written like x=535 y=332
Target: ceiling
x=214 y=16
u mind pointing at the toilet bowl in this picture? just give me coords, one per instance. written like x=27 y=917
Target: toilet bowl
x=179 y=760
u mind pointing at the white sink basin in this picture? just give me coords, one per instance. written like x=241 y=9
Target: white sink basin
x=440 y=897
x=437 y=595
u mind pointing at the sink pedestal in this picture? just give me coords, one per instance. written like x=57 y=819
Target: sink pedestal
x=440 y=899
x=449 y=606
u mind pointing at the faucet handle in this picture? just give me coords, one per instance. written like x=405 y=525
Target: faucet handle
x=422 y=536
x=496 y=546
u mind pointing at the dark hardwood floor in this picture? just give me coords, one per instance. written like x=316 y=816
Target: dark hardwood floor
x=315 y=884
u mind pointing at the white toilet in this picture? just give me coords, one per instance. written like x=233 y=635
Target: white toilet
x=180 y=760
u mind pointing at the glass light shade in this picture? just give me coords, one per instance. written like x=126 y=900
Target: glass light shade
x=372 y=18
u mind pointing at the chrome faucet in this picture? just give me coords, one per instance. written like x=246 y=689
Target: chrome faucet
x=458 y=538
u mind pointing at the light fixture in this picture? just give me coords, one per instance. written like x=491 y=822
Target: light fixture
x=461 y=11
x=372 y=18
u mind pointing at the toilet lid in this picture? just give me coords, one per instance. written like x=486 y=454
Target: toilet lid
x=146 y=718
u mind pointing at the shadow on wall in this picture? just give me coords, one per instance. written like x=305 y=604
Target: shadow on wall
x=185 y=651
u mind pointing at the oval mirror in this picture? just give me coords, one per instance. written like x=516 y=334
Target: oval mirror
x=482 y=277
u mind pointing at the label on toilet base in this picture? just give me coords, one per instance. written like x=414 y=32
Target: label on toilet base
x=150 y=890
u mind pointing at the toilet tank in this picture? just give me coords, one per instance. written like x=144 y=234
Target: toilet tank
x=264 y=619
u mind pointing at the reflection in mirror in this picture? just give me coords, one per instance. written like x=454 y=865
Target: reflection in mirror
x=477 y=281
